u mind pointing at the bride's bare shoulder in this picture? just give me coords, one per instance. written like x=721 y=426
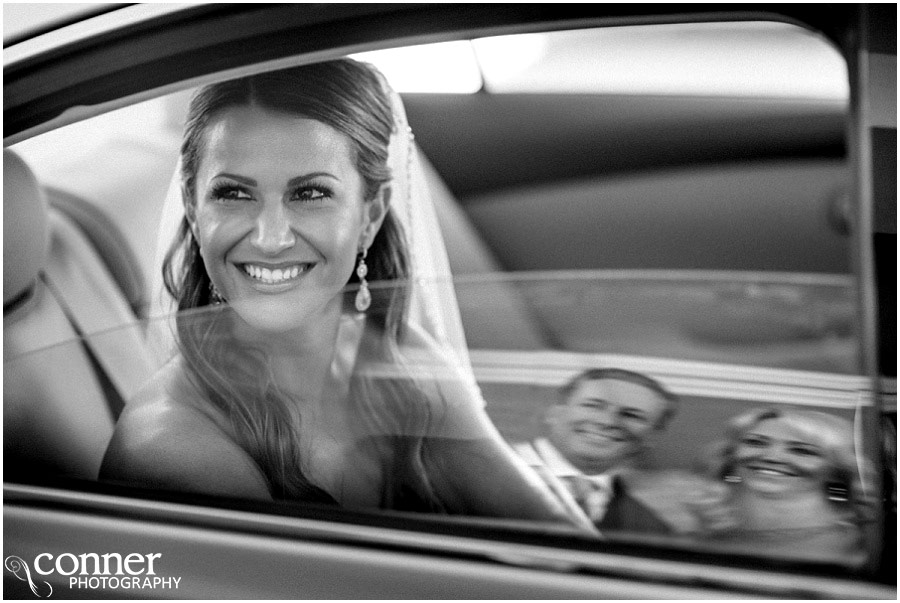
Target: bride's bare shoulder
x=166 y=439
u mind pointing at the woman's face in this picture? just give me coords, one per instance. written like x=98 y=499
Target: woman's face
x=280 y=215
x=775 y=458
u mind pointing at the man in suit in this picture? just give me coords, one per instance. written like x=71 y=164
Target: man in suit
x=596 y=438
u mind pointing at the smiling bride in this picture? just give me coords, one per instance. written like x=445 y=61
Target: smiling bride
x=318 y=354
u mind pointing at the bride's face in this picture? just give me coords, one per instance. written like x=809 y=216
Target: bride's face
x=280 y=215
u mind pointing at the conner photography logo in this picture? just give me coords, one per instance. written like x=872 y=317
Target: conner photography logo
x=91 y=571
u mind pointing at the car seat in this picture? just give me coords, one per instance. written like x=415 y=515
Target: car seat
x=72 y=347
x=112 y=247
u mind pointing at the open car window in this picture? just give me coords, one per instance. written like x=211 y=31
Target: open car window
x=783 y=363
x=691 y=235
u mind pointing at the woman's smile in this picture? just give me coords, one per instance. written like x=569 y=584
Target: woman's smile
x=280 y=274
x=776 y=457
x=771 y=470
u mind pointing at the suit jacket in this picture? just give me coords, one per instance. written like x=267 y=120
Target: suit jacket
x=623 y=512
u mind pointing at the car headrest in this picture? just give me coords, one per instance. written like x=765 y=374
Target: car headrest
x=26 y=237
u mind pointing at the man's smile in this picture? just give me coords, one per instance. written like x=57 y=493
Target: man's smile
x=598 y=433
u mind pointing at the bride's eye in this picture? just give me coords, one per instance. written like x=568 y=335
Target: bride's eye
x=229 y=192
x=311 y=193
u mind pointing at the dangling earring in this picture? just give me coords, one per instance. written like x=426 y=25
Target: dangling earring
x=363 y=297
x=214 y=296
x=837 y=493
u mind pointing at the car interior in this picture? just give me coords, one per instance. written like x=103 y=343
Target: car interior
x=625 y=189
x=58 y=289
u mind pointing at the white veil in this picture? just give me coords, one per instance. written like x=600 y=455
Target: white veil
x=433 y=305
x=433 y=313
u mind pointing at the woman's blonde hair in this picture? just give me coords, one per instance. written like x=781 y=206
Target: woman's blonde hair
x=849 y=485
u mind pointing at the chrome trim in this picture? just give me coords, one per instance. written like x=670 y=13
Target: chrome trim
x=803 y=279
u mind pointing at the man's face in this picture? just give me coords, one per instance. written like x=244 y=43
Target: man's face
x=605 y=423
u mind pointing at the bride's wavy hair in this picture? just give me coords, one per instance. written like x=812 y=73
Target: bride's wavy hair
x=348 y=96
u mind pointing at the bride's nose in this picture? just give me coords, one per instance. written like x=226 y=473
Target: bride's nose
x=272 y=232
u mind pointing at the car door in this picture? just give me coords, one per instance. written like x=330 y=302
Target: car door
x=66 y=536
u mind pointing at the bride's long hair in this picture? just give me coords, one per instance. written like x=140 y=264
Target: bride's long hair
x=348 y=96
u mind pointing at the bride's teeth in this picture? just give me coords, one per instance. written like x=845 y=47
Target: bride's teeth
x=274 y=276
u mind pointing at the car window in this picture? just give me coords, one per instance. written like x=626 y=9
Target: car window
x=655 y=279
x=746 y=59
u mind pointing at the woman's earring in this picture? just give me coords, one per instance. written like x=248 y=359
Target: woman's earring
x=837 y=493
x=363 y=297
x=214 y=296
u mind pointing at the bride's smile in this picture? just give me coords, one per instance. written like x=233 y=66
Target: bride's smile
x=267 y=278
x=271 y=275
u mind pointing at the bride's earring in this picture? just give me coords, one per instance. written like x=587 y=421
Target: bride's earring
x=214 y=296
x=363 y=297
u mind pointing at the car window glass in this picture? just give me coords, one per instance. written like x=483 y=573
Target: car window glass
x=655 y=280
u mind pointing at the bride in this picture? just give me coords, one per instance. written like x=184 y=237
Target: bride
x=319 y=353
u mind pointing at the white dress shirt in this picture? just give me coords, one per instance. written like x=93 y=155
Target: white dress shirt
x=592 y=493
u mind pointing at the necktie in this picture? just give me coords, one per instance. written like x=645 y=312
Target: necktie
x=592 y=495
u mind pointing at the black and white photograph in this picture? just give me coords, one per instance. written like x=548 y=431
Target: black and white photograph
x=503 y=301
